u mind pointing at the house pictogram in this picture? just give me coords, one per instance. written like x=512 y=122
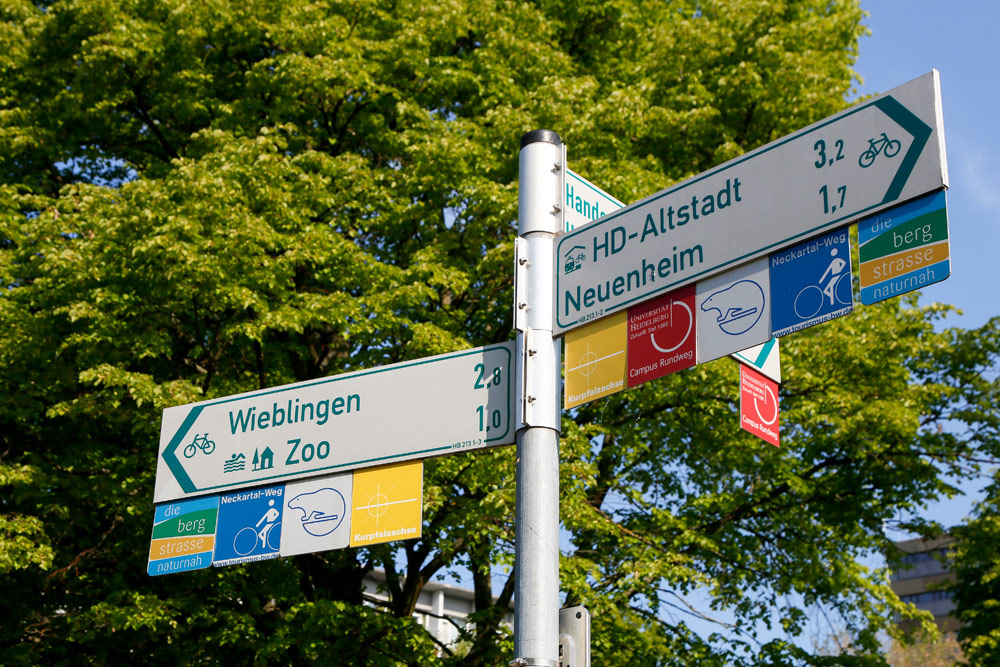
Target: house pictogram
x=263 y=460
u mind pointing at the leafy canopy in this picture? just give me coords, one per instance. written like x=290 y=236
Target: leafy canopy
x=204 y=198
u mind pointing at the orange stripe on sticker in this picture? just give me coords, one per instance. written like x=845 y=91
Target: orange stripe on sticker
x=180 y=546
x=886 y=268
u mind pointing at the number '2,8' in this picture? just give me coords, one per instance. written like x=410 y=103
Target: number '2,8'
x=493 y=380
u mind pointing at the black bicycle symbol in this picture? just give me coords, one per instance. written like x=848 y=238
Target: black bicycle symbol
x=875 y=146
x=202 y=443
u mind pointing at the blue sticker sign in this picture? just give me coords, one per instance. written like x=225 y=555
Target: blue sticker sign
x=183 y=536
x=904 y=248
x=249 y=525
x=811 y=283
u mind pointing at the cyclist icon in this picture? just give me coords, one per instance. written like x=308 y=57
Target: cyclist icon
x=811 y=298
x=202 y=443
x=885 y=145
x=246 y=540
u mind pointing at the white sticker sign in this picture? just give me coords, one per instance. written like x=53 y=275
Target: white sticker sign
x=317 y=515
x=734 y=310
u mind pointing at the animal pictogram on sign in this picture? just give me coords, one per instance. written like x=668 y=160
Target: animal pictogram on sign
x=739 y=306
x=322 y=510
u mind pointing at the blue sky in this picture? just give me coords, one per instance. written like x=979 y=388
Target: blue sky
x=959 y=38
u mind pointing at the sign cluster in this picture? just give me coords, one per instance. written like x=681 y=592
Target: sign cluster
x=738 y=309
x=356 y=509
x=320 y=465
x=717 y=265
x=661 y=286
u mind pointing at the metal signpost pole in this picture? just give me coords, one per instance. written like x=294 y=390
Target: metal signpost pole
x=536 y=561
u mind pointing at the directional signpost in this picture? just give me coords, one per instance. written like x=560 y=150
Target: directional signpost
x=413 y=410
x=719 y=263
x=858 y=162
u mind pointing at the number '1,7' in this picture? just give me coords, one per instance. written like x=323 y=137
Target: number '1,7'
x=831 y=207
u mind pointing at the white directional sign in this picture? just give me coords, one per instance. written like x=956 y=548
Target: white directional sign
x=860 y=161
x=413 y=410
x=585 y=202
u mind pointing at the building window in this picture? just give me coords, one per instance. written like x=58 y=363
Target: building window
x=926 y=596
x=934 y=554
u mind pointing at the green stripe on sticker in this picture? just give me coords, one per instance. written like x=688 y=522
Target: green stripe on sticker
x=193 y=523
x=923 y=230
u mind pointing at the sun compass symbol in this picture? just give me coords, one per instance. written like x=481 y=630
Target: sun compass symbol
x=379 y=504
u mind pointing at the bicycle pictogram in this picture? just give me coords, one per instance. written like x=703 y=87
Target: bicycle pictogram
x=202 y=443
x=269 y=533
x=833 y=286
x=884 y=145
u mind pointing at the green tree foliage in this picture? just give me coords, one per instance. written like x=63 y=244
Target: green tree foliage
x=977 y=587
x=204 y=198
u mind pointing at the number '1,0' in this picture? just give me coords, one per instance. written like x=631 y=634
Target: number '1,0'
x=495 y=418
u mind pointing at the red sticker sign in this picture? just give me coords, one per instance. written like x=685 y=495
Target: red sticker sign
x=661 y=336
x=759 y=405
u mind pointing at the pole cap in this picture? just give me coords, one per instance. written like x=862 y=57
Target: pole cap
x=535 y=136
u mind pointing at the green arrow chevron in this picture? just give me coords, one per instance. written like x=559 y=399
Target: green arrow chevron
x=916 y=127
x=170 y=453
x=766 y=350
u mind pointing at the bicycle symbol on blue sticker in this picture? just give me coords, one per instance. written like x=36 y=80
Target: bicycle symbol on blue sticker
x=249 y=525
x=812 y=298
x=739 y=306
x=267 y=534
x=811 y=283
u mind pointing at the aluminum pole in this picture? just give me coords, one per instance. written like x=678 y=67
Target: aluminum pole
x=536 y=551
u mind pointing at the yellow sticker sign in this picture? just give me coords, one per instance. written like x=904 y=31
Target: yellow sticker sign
x=595 y=359
x=387 y=503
